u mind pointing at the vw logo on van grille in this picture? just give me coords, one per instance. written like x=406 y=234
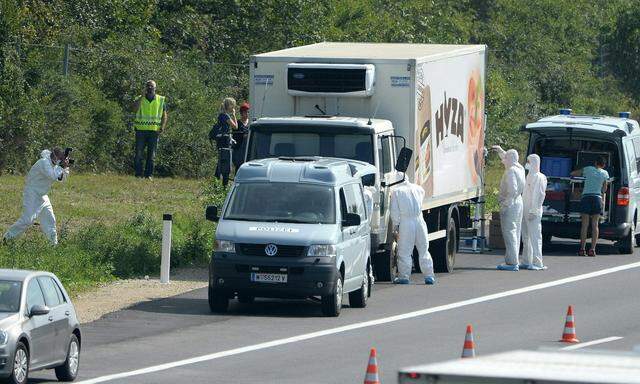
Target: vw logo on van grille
x=270 y=249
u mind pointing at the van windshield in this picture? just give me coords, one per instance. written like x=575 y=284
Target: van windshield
x=282 y=202
x=295 y=141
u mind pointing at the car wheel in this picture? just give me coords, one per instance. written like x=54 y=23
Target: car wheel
x=332 y=304
x=246 y=299
x=637 y=240
x=218 y=302
x=69 y=370
x=20 y=367
x=358 y=298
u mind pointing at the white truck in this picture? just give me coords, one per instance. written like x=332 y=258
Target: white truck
x=367 y=101
x=527 y=367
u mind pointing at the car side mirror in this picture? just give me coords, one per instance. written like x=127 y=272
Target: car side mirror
x=212 y=213
x=38 y=310
x=351 y=220
x=404 y=157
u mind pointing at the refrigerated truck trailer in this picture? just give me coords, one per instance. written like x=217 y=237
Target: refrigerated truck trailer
x=366 y=101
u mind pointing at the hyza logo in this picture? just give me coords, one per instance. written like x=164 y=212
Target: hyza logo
x=270 y=249
x=450 y=119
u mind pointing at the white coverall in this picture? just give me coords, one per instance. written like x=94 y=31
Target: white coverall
x=36 y=204
x=368 y=201
x=406 y=211
x=510 y=198
x=532 y=199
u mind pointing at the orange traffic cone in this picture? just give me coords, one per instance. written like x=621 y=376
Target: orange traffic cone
x=469 y=348
x=569 y=334
x=371 y=377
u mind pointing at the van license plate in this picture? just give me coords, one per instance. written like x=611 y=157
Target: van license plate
x=268 y=277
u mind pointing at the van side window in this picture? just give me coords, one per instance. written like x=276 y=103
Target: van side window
x=355 y=200
x=343 y=204
x=636 y=146
x=632 y=164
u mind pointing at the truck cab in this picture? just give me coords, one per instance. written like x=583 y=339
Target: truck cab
x=370 y=141
x=292 y=227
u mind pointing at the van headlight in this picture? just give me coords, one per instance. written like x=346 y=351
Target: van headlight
x=322 y=250
x=224 y=246
x=4 y=337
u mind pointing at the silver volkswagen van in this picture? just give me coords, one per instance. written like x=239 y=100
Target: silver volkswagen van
x=292 y=228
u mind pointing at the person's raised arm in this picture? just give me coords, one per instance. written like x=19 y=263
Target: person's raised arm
x=576 y=173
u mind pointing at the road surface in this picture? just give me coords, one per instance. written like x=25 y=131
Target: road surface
x=177 y=340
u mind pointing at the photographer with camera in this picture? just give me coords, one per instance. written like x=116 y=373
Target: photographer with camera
x=52 y=166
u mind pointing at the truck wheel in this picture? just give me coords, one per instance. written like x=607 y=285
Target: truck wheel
x=332 y=304
x=444 y=255
x=415 y=257
x=625 y=245
x=385 y=263
x=358 y=299
x=218 y=302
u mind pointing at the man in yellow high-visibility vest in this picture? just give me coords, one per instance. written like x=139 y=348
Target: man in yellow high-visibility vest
x=150 y=121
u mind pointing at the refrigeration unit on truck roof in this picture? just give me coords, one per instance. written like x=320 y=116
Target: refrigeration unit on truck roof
x=326 y=79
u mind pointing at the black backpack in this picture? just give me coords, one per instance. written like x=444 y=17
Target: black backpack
x=215 y=132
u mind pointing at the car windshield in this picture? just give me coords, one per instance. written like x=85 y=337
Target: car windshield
x=10 y=295
x=306 y=142
x=282 y=202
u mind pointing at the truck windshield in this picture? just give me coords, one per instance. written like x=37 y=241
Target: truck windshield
x=311 y=141
x=282 y=202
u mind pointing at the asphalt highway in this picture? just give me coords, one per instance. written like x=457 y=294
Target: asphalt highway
x=177 y=340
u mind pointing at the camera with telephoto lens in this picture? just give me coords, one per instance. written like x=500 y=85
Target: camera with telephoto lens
x=67 y=153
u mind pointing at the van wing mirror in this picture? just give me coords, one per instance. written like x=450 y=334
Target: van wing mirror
x=351 y=220
x=38 y=310
x=211 y=213
x=404 y=157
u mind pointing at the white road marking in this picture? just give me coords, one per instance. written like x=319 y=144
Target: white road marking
x=590 y=343
x=364 y=324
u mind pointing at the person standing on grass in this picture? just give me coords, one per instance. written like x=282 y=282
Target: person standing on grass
x=591 y=204
x=52 y=166
x=150 y=121
x=224 y=127
x=240 y=136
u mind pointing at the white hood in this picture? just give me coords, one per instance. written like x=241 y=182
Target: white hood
x=534 y=163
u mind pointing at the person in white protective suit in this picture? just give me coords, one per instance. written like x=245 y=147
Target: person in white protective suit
x=52 y=166
x=510 y=198
x=406 y=215
x=368 y=200
x=532 y=200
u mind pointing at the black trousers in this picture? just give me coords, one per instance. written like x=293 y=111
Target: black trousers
x=223 y=169
x=148 y=140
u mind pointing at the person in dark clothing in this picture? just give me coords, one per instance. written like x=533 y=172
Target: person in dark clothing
x=240 y=136
x=227 y=123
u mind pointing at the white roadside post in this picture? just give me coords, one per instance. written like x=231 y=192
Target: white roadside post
x=166 y=248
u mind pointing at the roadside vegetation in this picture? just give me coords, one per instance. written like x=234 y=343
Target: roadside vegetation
x=69 y=70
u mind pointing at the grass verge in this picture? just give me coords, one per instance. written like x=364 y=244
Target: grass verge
x=110 y=227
